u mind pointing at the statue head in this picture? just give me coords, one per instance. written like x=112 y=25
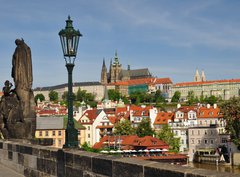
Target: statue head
x=18 y=42
x=7 y=83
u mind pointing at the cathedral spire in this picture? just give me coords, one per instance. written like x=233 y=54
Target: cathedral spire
x=116 y=61
x=203 y=76
x=104 y=73
x=197 y=76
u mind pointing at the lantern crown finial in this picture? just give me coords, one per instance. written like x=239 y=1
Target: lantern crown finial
x=69 y=39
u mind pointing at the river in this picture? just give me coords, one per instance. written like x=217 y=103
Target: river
x=220 y=167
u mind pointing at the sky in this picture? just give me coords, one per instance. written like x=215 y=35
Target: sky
x=171 y=38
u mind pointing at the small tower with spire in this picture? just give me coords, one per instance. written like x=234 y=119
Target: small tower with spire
x=197 y=77
x=203 y=77
x=104 y=73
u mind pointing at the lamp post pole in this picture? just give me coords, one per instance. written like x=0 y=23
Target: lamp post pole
x=69 y=40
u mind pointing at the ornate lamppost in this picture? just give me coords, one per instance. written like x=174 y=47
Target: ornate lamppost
x=69 y=40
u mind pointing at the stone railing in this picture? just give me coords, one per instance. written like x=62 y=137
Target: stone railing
x=40 y=161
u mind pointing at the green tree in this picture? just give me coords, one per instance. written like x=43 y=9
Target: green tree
x=231 y=114
x=144 y=128
x=158 y=97
x=211 y=100
x=80 y=95
x=114 y=95
x=190 y=98
x=165 y=134
x=176 y=97
x=124 y=128
x=53 y=95
x=39 y=96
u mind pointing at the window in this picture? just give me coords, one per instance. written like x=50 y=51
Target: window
x=46 y=133
x=88 y=135
x=59 y=142
x=182 y=141
x=199 y=141
x=211 y=141
x=79 y=132
x=205 y=132
x=88 y=127
x=198 y=132
x=192 y=141
x=206 y=141
x=59 y=133
x=40 y=133
x=54 y=142
x=192 y=132
x=53 y=133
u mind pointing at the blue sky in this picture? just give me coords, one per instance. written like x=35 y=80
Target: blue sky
x=170 y=37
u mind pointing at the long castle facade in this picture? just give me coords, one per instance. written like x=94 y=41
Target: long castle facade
x=117 y=73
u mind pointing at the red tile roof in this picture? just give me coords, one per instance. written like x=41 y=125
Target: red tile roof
x=148 y=81
x=211 y=112
x=133 y=142
x=163 y=117
x=206 y=82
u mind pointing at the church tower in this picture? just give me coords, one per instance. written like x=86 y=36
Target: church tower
x=115 y=69
x=104 y=73
x=203 y=77
x=197 y=77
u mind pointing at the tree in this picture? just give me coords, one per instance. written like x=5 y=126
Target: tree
x=165 y=134
x=114 y=95
x=158 y=97
x=231 y=114
x=144 y=128
x=81 y=94
x=190 y=97
x=211 y=100
x=39 y=96
x=176 y=97
x=124 y=128
x=53 y=95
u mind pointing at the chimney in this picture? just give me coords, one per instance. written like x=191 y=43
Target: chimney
x=178 y=105
x=215 y=106
x=208 y=106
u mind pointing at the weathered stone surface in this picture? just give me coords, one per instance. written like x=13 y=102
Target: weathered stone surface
x=47 y=166
x=73 y=172
x=17 y=107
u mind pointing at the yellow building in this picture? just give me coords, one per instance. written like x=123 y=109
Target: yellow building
x=54 y=127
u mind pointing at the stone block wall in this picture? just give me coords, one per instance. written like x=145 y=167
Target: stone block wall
x=39 y=161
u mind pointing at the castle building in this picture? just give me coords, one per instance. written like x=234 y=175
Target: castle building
x=117 y=73
x=201 y=87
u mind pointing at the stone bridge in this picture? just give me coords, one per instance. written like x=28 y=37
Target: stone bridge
x=41 y=161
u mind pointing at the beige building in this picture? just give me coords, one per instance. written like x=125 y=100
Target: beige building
x=95 y=88
x=205 y=139
x=54 y=127
x=219 y=88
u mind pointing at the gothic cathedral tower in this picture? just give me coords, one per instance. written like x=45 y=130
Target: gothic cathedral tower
x=104 y=73
x=115 y=70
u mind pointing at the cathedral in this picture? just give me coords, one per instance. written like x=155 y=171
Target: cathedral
x=116 y=73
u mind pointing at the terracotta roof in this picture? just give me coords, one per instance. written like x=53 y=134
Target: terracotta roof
x=163 y=117
x=211 y=112
x=206 y=82
x=133 y=142
x=148 y=81
x=91 y=115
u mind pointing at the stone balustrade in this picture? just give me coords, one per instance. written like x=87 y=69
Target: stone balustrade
x=41 y=161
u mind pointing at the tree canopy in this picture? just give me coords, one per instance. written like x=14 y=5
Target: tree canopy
x=144 y=128
x=231 y=114
x=39 y=96
x=176 y=97
x=165 y=134
x=53 y=95
x=124 y=127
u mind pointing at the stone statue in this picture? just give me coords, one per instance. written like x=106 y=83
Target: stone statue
x=17 y=106
x=22 y=76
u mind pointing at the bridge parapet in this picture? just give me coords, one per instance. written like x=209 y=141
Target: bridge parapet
x=40 y=161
